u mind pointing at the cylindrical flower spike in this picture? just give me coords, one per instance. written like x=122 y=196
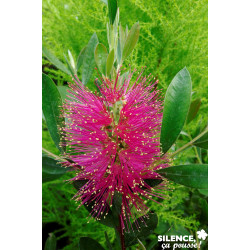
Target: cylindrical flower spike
x=113 y=140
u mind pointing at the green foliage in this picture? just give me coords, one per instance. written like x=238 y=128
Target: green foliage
x=101 y=55
x=202 y=142
x=141 y=230
x=173 y=34
x=51 y=169
x=176 y=106
x=131 y=40
x=192 y=175
x=51 y=105
x=193 y=110
x=87 y=243
x=112 y=5
x=88 y=60
x=50 y=242
x=58 y=207
x=173 y=213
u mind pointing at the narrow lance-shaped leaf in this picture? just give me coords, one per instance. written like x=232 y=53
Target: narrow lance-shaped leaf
x=122 y=36
x=80 y=59
x=101 y=55
x=202 y=142
x=204 y=191
x=110 y=61
x=193 y=175
x=50 y=243
x=53 y=59
x=112 y=6
x=72 y=61
x=176 y=106
x=126 y=31
x=119 y=53
x=116 y=207
x=153 y=182
x=51 y=169
x=88 y=62
x=204 y=207
x=72 y=72
x=146 y=227
x=193 y=110
x=131 y=40
x=63 y=90
x=51 y=105
x=108 y=243
x=87 y=243
x=120 y=46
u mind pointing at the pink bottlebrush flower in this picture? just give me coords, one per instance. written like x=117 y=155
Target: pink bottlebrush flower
x=113 y=140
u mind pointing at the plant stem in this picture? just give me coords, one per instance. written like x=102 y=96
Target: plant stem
x=141 y=244
x=197 y=155
x=198 y=243
x=189 y=143
x=196 y=151
x=56 y=157
x=120 y=231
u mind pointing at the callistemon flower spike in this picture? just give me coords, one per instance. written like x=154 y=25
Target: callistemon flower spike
x=113 y=141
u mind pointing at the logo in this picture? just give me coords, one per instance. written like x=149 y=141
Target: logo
x=202 y=234
x=182 y=241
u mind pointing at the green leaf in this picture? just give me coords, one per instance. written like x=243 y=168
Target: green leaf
x=185 y=134
x=116 y=207
x=147 y=226
x=63 y=90
x=101 y=55
x=107 y=220
x=202 y=142
x=53 y=59
x=131 y=40
x=52 y=166
x=193 y=175
x=141 y=245
x=51 y=105
x=153 y=182
x=112 y=6
x=176 y=106
x=119 y=53
x=204 y=207
x=51 y=169
x=203 y=191
x=87 y=243
x=50 y=243
x=72 y=72
x=120 y=45
x=80 y=59
x=110 y=61
x=108 y=241
x=88 y=61
x=193 y=110
x=168 y=229
x=78 y=184
x=72 y=61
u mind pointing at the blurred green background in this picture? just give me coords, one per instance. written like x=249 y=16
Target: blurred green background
x=173 y=34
